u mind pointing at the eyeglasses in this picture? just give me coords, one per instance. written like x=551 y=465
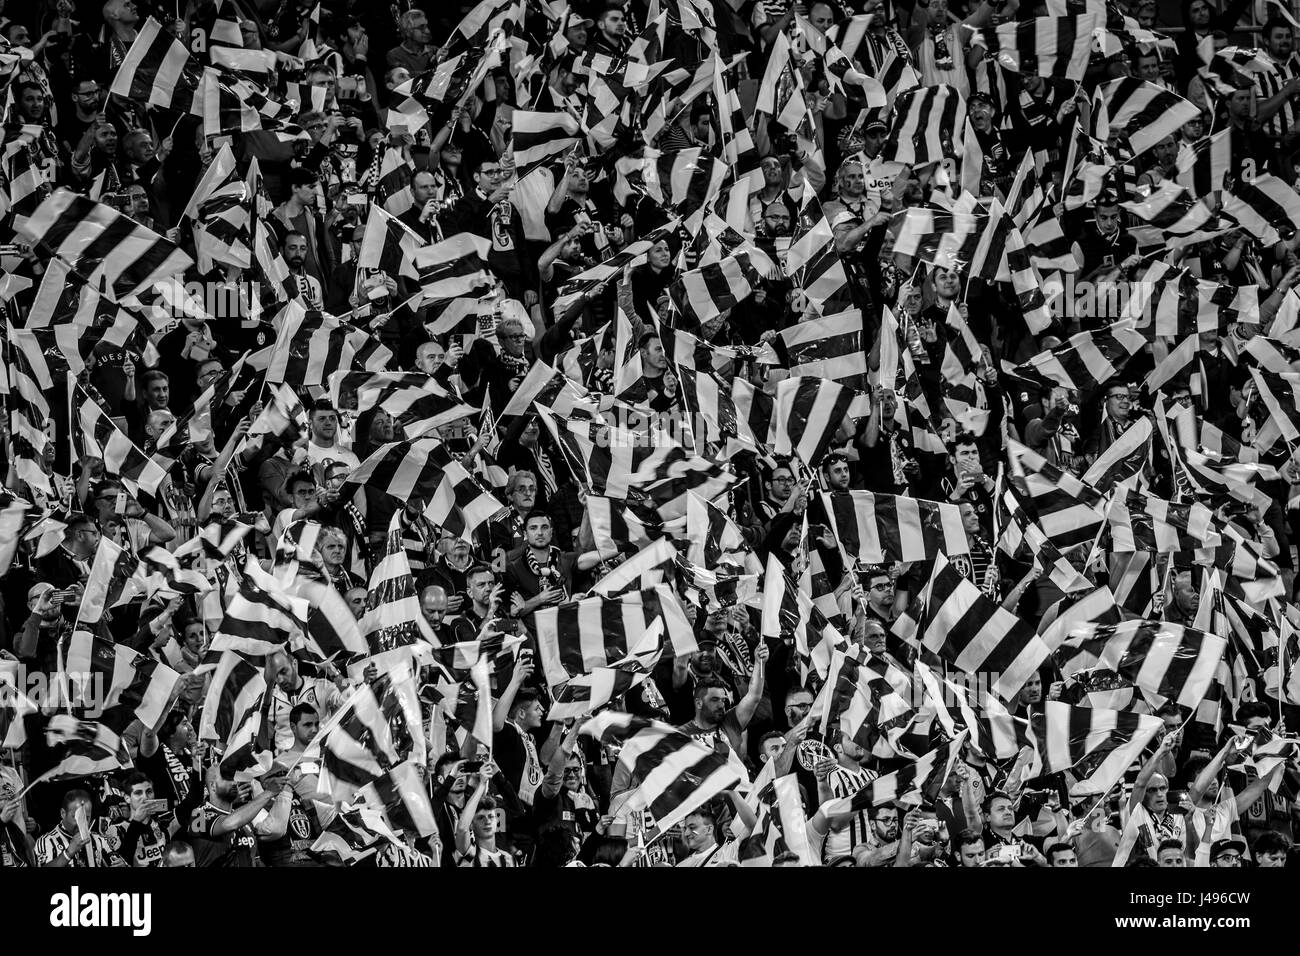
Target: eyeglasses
x=514 y=337
x=491 y=172
x=1121 y=396
x=782 y=480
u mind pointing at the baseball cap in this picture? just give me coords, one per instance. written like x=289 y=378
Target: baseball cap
x=38 y=589
x=1220 y=847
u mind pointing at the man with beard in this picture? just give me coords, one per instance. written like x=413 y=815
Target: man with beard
x=842 y=776
x=772 y=194
x=295 y=257
x=298 y=214
x=538 y=574
x=611 y=31
x=228 y=828
x=1283 y=79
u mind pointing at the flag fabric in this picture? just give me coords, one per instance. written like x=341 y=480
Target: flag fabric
x=1069 y=511
x=1204 y=167
x=116 y=577
x=102 y=246
x=670 y=774
x=869 y=700
x=540 y=136
x=576 y=637
x=1147 y=111
x=102 y=438
x=924 y=126
x=807 y=413
x=923 y=777
x=1087 y=361
x=424 y=470
x=1110 y=740
x=1058 y=47
x=1167 y=661
x=234 y=714
x=379 y=728
x=157 y=70
x=876 y=528
x=260 y=619
x=114 y=675
x=455 y=267
x=958 y=623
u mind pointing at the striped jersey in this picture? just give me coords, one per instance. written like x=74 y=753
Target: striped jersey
x=95 y=853
x=482 y=857
x=1268 y=85
x=844 y=782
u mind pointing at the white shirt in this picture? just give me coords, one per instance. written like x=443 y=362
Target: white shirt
x=717 y=855
x=319 y=454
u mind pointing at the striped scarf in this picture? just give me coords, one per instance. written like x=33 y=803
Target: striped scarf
x=548 y=575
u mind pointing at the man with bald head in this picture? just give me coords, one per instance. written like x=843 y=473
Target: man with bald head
x=433 y=605
x=290 y=689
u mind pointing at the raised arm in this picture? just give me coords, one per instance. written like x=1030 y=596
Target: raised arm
x=749 y=703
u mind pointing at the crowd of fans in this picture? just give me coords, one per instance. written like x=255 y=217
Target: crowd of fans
x=543 y=794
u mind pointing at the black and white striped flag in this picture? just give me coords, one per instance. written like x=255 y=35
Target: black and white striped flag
x=1110 y=741
x=102 y=246
x=962 y=626
x=234 y=713
x=422 y=469
x=376 y=730
x=101 y=437
x=540 y=136
x=869 y=700
x=1266 y=207
x=113 y=675
x=925 y=777
x=1166 y=661
x=1069 y=511
x=1205 y=168
x=927 y=126
x=389 y=244
x=876 y=528
x=1146 y=111
x=668 y=773
x=157 y=70
x=455 y=267
x=418 y=402
x=807 y=413
x=260 y=619
x=830 y=347
x=577 y=637
x=116 y=577
x=1058 y=47
x=1087 y=361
